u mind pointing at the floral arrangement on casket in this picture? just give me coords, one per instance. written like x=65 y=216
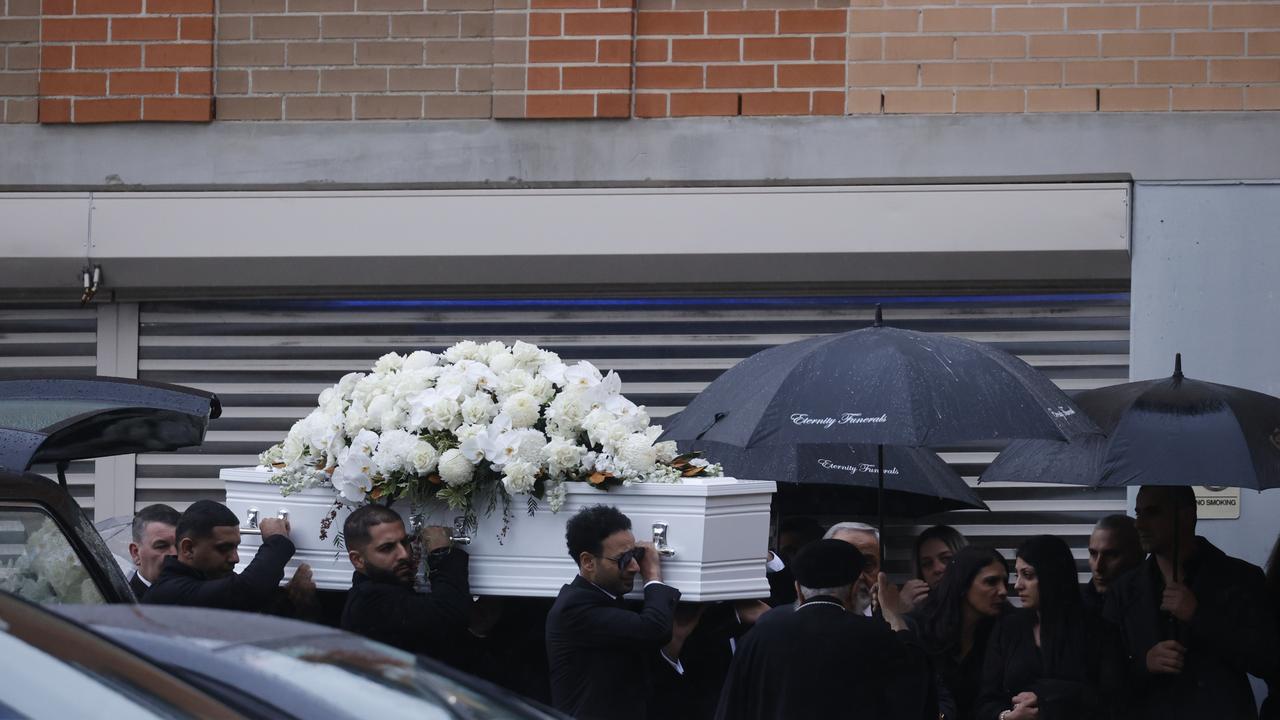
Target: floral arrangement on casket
x=476 y=423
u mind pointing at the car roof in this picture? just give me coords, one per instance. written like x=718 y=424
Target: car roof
x=214 y=628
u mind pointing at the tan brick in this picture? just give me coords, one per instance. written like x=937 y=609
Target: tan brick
x=250 y=54
x=955 y=74
x=969 y=47
x=883 y=74
x=415 y=26
x=21 y=111
x=1100 y=72
x=956 y=20
x=508 y=78
x=20 y=84
x=359 y=80
x=990 y=101
x=321 y=53
x=459 y=52
x=1026 y=73
x=863 y=102
x=1252 y=16
x=918 y=101
x=1054 y=46
x=1264 y=43
x=1137 y=44
x=248 y=108
x=353 y=26
x=480 y=79
x=248 y=7
x=234 y=28
x=1173 y=17
x=23 y=57
x=423 y=79
x=1062 y=100
x=286 y=27
x=510 y=51
x=865 y=48
x=476 y=25
x=321 y=6
x=1133 y=99
x=1262 y=98
x=1172 y=72
x=232 y=82
x=1009 y=18
x=1208 y=98
x=1102 y=18
x=510 y=25
x=508 y=106
x=323 y=107
x=918 y=48
x=389 y=53
x=883 y=21
x=458 y=106
x=388 y=107
x=1244 y=71
x=1208 y=44
x=387 y=6
x=284 y=81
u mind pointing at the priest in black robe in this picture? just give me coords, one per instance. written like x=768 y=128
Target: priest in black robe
x=825 y=660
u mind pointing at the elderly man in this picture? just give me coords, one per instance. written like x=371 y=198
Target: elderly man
x=824 y=660
x=599 y=650
x=1113 y=551
x=1194 y=632
x=866 y=539
x=153 y=541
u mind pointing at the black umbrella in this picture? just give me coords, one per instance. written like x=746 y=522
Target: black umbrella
x=920 y=482
x=63 y=419
x=878 y=386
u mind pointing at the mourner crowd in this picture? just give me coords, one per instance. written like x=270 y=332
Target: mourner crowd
x=1168 y=625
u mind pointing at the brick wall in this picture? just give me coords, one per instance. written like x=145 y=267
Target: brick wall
x=107 y=60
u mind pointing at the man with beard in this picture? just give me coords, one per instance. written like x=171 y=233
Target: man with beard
x=867 y=541
x=153 y=541
x=382 y=603
x=1113 y=551
x=202 y=574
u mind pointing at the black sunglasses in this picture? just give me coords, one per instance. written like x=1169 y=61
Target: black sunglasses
x=636 y=553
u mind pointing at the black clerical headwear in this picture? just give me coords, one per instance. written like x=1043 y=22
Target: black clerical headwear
x=827 y=564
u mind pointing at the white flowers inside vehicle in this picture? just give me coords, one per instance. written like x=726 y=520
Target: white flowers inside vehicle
x=477 y=417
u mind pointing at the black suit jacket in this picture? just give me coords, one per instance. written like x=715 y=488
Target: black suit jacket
x=139 y=588
x=254 y=590
x=427 y=623
x=599 y=651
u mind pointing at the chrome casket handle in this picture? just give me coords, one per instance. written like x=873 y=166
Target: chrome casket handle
x=251 y=522
x=660 y=540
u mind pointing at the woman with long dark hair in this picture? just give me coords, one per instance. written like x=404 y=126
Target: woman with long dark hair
x=955 y=622
x=1049 y=660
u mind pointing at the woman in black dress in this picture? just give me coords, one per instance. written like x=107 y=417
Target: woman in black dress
x=954 y=624
x=1050 y=660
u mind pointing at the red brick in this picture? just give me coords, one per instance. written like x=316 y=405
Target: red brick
x=705 y=50
x=108 y=56
x=563 y=4
x=108 y=7
x=597 y=78
x=812 y=21
x=742 y=22
x=73 y=29
x=544 y=24
x=818 y=75
x=1244 y=71
x=180 y=7
x=1136 y=44
x=703 y=104
x=55 y=57
x=828 y=103
x=1253 y=16
x=73 y=83
x=651 y=105
x=54 y=111
x=668 y=77
x=614 y=51
x=144 y=28
x=543 y=78
x=598 y=23
x=58 y=7
x=560 y=106
x=188 y=55
x=613 y=105
x=651 y=51
x=549 y=51
x=1102 y=18
x=177 y=109
x=198 y=82
x=1208 y=43
x=775 y=103
x=1208 y=98
x=776 y=49
x=740 y=76
x=669 y=23
x=197 y=28
x=143 y=83
x=829 y=48
x=103 y=111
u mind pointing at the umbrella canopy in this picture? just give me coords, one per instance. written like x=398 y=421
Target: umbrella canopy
x=64 y=419
x=879 y=385
x=1077 y=462
x=843 y=477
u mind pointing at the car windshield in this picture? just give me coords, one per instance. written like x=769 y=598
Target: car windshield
x=356 y=677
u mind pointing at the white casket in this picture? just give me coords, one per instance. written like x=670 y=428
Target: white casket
x=717 y=528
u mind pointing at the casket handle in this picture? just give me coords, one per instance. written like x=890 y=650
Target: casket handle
x=251 y=528
x=660 y=540
x=459 y=534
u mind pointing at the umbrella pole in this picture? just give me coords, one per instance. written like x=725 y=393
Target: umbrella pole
x=880 y=500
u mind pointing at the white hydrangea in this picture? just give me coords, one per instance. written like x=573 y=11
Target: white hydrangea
x=454 y=468
x=394 y=450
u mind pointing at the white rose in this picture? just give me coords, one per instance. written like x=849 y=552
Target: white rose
x=512 y=382
x=465 y=350
x=467 y=431
x=502 y=362
x=519 y=476
x=389 y=363
x=379 y=407
x=420 y=359
x=541 y=388
x=423 y=457
x=562 y=456
x=564 y=415
x=489 y=349
x=523 y=409
x=393 y=451
x=455 y=469
x=443 y=414
x=479 y=408
x=291 y=449
x=526 y=354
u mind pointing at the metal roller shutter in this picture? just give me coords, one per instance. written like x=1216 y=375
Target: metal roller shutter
x=52 y=340
x=268 y=360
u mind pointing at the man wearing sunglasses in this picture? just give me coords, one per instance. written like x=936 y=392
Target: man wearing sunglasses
x=599 y=650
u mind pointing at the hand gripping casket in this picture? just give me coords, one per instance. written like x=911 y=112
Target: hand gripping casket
x=713 y=533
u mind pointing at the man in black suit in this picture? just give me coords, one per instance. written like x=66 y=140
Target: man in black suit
x=382 y=603
x=202 y=574
x=153 y=541
x=600 y=651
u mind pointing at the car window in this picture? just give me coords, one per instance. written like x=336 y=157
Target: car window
x=23 y=414
x=38 y=562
